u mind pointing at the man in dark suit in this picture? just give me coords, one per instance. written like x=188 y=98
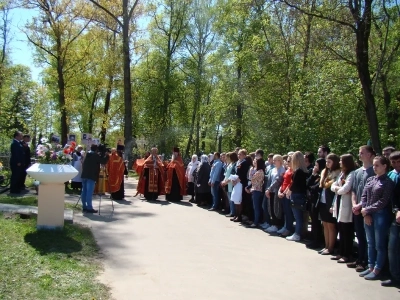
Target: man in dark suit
x=27 y=158
x=242 y=168
x=17 y=162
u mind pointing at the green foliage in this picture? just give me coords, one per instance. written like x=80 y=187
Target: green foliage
x=213 y=74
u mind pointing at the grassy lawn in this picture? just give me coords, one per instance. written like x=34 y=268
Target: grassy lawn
x=48 y=264
x=32 y=201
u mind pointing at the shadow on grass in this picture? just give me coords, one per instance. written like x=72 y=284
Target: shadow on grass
x=57 y=241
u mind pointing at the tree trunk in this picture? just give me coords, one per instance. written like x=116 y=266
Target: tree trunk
x=239 y=109
x=128 y=120
x=61 y=98
x=106 y=108
x=362 y=55
x=92 y=105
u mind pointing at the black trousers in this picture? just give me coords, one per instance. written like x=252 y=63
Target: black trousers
x=247 y=203
x=346 y=236
x=15 y=180
x=316 y=226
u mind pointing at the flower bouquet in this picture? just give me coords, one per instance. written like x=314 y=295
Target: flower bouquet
x=48 y=153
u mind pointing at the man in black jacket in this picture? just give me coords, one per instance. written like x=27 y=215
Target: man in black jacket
x=27 y=158
x=242 y=168
x=16 y=163
x=90 y=174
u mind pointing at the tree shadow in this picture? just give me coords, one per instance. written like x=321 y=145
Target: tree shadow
x=159 y=202
x=123 y=202
x=183 y=203
x=56 y=241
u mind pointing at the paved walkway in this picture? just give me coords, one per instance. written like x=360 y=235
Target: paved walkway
x=171 y=251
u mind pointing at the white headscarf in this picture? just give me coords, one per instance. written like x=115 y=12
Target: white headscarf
x=203 y=159
x=193 y=165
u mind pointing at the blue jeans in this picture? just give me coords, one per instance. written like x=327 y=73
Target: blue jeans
x=231 y=204
x=287 y=210
x=257 y=197
x=298 y=200
x=267 y=217
x=377 y=234
x=361 y=238
x=215 y=195
x=87 y=193
x=394 y=251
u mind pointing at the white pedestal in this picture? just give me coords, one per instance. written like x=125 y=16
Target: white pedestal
x=51 y=193
x=51 y=206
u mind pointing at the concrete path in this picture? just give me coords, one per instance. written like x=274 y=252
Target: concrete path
x=171 y=251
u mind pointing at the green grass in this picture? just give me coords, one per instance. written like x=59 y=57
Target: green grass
x=28 y=200
x=48 y=264
x=133 y=174
x=32 y=201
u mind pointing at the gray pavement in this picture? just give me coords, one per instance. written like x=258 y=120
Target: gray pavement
x=160 y=250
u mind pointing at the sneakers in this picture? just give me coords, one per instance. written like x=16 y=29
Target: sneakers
x=365 y=273
x=265 y=225
x=372 y=276
x=285 y=233
x=282 y=230
x=272 y=229
x=390 y=283
x=295 y=238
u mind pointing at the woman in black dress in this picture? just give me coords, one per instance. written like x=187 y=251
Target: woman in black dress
x=328 y=176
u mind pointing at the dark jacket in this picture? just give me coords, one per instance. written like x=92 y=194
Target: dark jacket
x=203 y=176
x=27 y=154
x=241 y=170
x=313 y=188
x=17 y=154
x=91 y=165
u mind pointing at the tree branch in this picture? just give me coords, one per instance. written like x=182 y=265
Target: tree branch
x=318 y=15
x=107 y=11
x=132 y=9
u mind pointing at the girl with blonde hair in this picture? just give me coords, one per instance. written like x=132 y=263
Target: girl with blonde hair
x=297 y=193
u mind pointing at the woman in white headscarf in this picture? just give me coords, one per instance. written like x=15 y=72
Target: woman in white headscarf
x=203 y=190
x=191 y=168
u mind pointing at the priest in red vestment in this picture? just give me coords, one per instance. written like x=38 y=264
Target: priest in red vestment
x=151 y=176
x=116 y=170
x=175 y=186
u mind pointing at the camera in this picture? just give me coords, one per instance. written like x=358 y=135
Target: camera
x=102 y=149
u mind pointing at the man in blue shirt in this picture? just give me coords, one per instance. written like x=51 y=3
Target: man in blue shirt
x=215 y=179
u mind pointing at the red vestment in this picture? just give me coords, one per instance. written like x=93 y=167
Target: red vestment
x=154 y=179
x=179 y=167
x=115 y=168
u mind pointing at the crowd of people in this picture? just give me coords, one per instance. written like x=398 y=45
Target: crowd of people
x=340 y=198
x=98 y=171
x=281 y=194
